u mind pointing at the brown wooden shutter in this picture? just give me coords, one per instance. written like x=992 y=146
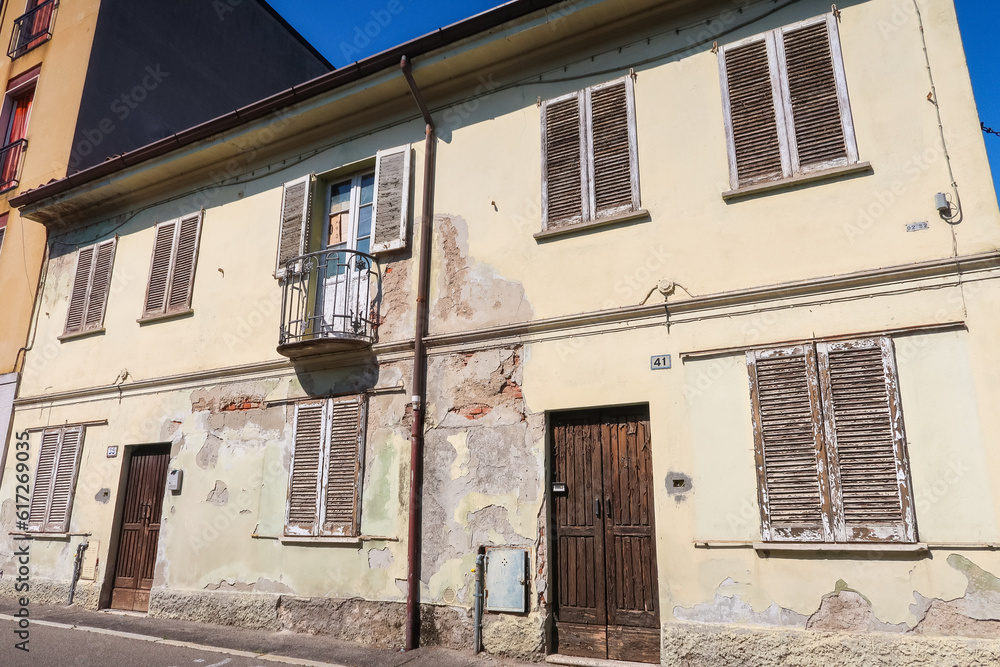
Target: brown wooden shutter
x=818 y=140
x=100 y=284
x=302 y=516
x=343 y=480
x=562 y=162
x=70 y=448
x=749 y=89
x=41 y=494
x=613 y=148
x=184 y=263
x=78 y=297
x=159 y=269
x=392 y=194
x=866 y=441
x=293 y=235
x=791 y=464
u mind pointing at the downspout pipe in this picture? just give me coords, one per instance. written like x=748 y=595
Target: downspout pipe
x=419 y=372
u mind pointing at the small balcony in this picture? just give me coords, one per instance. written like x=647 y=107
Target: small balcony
x=33 y=28
x=330 y=302
x=10 y=164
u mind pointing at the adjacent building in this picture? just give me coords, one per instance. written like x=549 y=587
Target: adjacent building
x=86 y=80
x=709 y=359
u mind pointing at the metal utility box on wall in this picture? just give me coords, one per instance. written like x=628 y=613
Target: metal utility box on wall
x=506 y=579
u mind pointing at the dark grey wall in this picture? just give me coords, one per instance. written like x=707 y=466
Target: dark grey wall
x=161 y=66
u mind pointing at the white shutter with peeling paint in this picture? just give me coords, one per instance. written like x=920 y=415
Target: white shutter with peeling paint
x=564 y=165
x=293 y=232
x=305 y=478
x=55 y=479
x=100 y=284
x=613 y=163
x=342 y=486
x=159 y=269
x=78 y=296
x=41 y=494
x=392 y=199
x=184 y=262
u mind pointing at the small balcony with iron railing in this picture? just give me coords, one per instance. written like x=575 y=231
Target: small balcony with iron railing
x=33 y=28
x=330 y=303
x=10 y=164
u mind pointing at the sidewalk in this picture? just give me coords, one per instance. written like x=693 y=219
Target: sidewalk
x=316 y=649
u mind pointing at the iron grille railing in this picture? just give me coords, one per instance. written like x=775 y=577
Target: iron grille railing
x=32 y=28
x=331 y=294
x=10 y=164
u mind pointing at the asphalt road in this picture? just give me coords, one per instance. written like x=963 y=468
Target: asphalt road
x=63 y=647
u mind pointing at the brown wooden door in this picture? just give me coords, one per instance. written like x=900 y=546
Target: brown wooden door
x=605 y=552
x=147 y=477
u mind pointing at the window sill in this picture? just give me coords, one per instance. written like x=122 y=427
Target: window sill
x=591 y=224
x=324 y=539
x=46 y=536
x=165 y=316
x=803 y=179
x=832 y=547
x=80 y=334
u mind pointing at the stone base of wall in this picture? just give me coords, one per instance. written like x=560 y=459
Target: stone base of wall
x=46 y=591
x=709 y=645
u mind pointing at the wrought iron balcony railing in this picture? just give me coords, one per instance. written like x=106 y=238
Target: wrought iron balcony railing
x=330 y=302
x=32 y=28
x=10 y=164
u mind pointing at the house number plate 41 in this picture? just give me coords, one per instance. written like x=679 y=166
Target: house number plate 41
x=659 y=362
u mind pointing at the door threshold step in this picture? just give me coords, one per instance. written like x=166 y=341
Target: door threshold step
x=574 y=661
x=125 y=612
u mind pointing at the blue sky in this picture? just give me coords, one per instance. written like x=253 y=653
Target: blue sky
x=348 y=31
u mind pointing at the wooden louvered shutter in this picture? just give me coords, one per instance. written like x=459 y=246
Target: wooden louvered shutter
x=78 y=297
x=866 y=442
x=305 y=479
x=100 y=284
x=41 y=494
x=184 y=262
x=392 y=196
x=343 y=470
x=816 y=106
x=64 y=482
x=159 y=269
x=564 y=199
x=614 y=161
x=793 y=487
x=293 y=235
x=754 y=122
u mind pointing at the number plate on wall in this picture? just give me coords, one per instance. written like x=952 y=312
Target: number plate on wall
x=659 y=362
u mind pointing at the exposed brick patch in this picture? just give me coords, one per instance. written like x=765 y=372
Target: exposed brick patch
x=473 y=410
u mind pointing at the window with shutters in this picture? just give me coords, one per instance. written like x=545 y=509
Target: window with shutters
x=786 y=105
x=830 y=445
x=589 y=156
x=91 y=283
x=172 y=268
x=366 y=211
x=3 y=229
x=324 y=485
x=55 y=479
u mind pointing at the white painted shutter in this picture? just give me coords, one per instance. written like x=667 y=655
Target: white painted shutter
x=3 y=230
x=184 y=262
x=392 y=199
x=293 y=233
x=159 y=269
x=55 y=479
x=41 y=494
x=564 y=198
x=791 y=462
x=866 y=441
x=305 y=477
x=613 y=153
x=64 y=484
x=78 y=296
x=342 y=486
x=100 y=284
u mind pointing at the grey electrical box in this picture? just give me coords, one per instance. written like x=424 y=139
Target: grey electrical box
x=174 y=478
x=506 y=579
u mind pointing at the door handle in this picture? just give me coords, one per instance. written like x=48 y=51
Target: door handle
x=597 y=507
x=608 y=512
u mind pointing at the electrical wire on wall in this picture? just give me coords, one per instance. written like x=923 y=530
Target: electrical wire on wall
x=534 y=80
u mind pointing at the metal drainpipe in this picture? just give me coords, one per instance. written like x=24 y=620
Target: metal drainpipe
x=77 y=567
x=419 y=373
x=477 y=636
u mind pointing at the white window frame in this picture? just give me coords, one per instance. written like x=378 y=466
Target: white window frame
x=782 y=97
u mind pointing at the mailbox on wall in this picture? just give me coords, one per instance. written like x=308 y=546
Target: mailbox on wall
x=506 y=579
